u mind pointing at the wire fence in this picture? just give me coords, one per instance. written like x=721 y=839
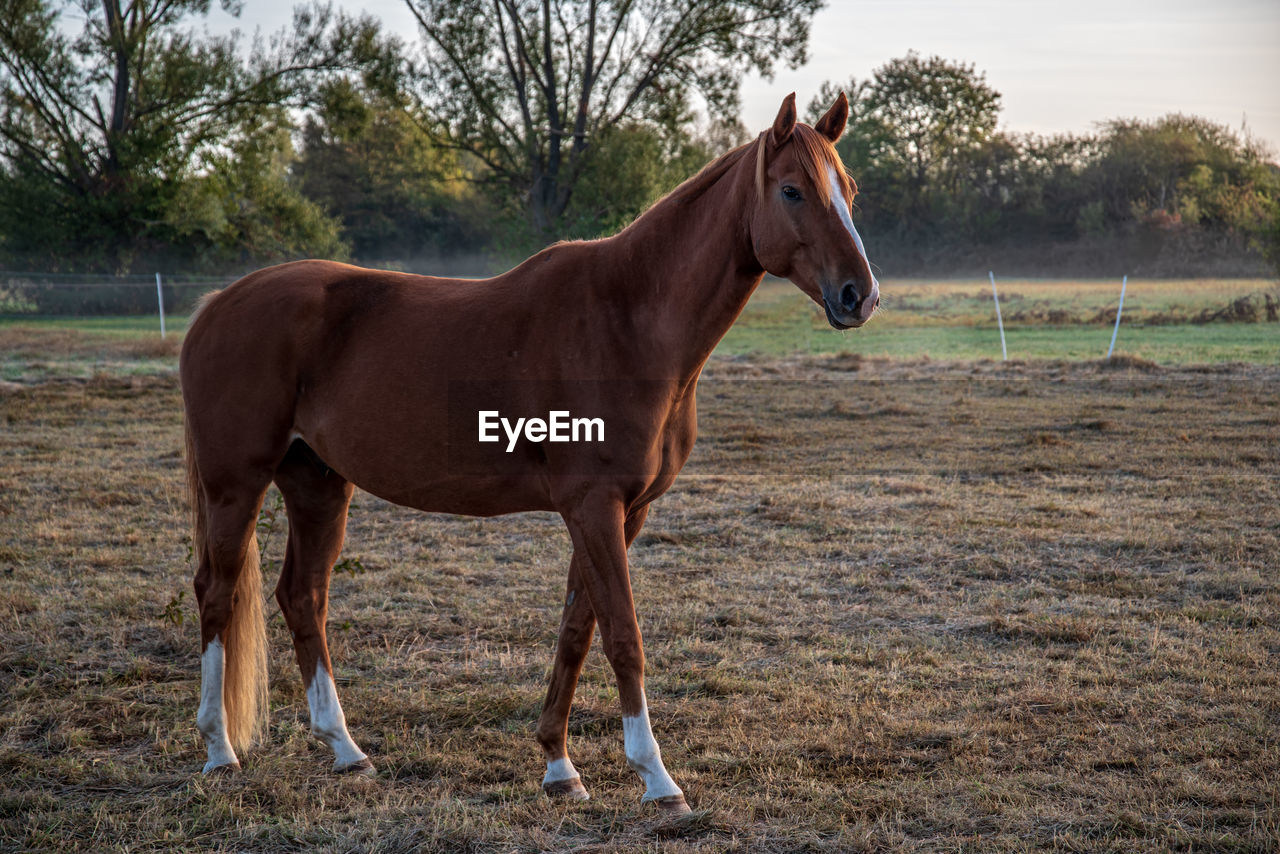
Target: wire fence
x=26 y=294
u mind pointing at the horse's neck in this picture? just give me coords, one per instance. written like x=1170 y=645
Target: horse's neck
x=691 y=270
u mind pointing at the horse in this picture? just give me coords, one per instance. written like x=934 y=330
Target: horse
x=320 y=377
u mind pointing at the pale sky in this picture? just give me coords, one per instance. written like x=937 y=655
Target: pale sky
x=1059 y=66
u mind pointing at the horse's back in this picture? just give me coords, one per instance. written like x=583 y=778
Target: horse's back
x=301 y=316
x=310 y=291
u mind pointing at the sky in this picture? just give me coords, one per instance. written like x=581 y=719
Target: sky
x=1060 y=67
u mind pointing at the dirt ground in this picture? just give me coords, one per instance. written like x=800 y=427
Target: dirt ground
x=889 y=606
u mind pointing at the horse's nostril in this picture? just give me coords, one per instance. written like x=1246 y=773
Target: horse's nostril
x=849 y=298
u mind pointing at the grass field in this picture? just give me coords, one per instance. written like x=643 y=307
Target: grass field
x=892 y=604
x=1046 y=319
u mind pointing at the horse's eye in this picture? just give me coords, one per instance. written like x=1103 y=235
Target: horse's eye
x=791 y=194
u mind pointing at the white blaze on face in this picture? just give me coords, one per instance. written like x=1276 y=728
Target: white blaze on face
x=328 y=723
x=841 y=204
x=211 y=719
x=645 y=758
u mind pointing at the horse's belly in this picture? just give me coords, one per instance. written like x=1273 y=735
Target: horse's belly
x=404 y=455
x=473 y=496
x=430 y=486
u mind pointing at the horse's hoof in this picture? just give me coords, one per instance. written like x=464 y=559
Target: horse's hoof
x=569 y=790
x=224 y=770
x=671 y=806
x=361 y=767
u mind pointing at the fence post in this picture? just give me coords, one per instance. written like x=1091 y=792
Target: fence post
x=160 y=300
x=1004 y=352
x=1124 y=284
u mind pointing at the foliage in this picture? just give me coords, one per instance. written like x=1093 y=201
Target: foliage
x=174 y=612
x=632 y=167
x=396 y=194
x=1184 y=171
x=139 y=137
x=140 y=143
x=244 y=210
x=530 y=88
x=916 y=125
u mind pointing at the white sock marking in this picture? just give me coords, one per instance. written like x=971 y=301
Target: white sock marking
x=559 y=769
x=211 y=719
x=645 y=758
x=328 y=723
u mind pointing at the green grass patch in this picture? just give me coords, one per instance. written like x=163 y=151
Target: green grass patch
x=1163 y=322
x=1182 y=344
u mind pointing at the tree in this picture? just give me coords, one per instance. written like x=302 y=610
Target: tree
x=244 y=208
x=1165 y=194
x=632 y=166
x=397 y=195
x=912 y=128
x=1180 y=179
x=1183 y=169
x=102 y=135
x=528 y=86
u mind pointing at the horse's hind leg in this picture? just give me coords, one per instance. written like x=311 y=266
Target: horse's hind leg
x=228 y=587
x=316 y=500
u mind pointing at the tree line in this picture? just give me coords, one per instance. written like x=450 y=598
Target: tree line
x=1176 y=195
x=141 y=141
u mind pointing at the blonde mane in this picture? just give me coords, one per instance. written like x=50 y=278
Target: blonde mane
x=815 y=152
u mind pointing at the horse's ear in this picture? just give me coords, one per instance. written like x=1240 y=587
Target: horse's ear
x=832 y=124
x=785 y=123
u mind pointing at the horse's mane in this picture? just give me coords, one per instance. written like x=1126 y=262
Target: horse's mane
x=814 y=151
x=708 y=175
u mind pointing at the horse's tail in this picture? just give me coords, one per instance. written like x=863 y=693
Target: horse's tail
x=244 y=677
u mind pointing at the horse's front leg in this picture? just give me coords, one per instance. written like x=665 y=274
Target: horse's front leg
x=577 y=625
x=597 y=525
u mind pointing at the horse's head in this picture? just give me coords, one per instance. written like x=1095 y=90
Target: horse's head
x=802 y=226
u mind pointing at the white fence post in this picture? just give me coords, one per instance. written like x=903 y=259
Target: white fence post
x=1004 y=351
x=160 y=300
x=1124 y=284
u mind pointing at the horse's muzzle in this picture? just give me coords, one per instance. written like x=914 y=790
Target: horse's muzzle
x=851 y=307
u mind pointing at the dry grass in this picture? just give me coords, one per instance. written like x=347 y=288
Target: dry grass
x=890 y=606
x=36 y=354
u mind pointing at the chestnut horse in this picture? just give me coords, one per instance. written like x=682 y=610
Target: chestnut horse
x=321 y=377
